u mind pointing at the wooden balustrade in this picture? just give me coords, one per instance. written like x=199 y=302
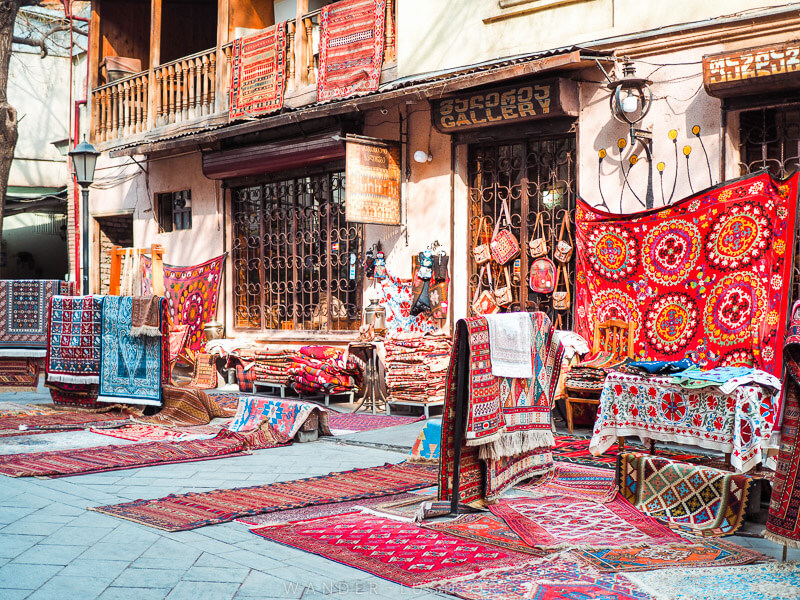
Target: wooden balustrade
x=120 y=107
x=186 y=88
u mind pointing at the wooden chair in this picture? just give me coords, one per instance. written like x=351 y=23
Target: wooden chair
x=614 y=337
x=156 y=251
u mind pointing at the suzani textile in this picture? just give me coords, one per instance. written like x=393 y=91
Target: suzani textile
x=73 y=340
x=350 y=48
x=192 y=295
x=697 y=500
x=23 y=314
x=396 y=299
x=705 y=277
x=130 y=368
x=258 y=76
x=740 y=423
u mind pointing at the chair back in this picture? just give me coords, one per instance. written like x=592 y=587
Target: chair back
x=615 y=337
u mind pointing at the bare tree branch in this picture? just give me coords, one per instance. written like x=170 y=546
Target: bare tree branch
x=41 y=42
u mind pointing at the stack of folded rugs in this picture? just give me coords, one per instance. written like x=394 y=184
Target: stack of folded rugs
x=268 y=366
x=416 y=366
x=325 y=370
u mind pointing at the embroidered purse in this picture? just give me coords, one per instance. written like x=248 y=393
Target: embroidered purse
x=504 y=245
x=562 y=299
x=538 y=245
x=504 y=295
x=563 y=250
x=542 y=278
x=481 y=252
x=483 y=301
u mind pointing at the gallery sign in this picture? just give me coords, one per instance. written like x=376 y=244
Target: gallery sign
x=372 y=172
x=509 y=104
x=767 y=68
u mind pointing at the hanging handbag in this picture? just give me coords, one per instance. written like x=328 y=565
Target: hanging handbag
x=440 y=262
x=563 y=250
x=504 y=245
x=538 y=243
x=504 y=295
x=542 y=278
x=481 y=252
x=483 y=301
x=561 y=299
x=422 y=303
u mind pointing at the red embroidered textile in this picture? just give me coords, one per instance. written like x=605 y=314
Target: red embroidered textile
x=258 y=75
x=704 y=277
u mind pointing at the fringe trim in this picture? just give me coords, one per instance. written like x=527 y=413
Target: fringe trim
x=17 y=388
x=115 y=400
x=73 y=378
x=145 y=330
x=386 y=515
x=22 y=353
x=779 y=539
x=483 y=440
x=516 y=443
x=482 y=573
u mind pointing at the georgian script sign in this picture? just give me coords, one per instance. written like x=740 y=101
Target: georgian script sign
x=767 y=68
x=509 y=104
x=372 y=172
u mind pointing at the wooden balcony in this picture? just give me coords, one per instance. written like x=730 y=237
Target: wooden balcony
x=193 y=91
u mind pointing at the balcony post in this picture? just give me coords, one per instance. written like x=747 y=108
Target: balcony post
x=155 y=60
x=300 y=45
x=218 y=98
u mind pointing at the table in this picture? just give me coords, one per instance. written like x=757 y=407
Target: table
x=740 y=424
x=373 y=395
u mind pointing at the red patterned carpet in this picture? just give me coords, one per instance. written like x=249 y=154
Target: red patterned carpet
x=63 y=421
x=190 y=511
x=365 y=422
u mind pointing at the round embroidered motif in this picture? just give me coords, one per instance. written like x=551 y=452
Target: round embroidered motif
x=673 y=407
x=612 y=252
x=614 y=304
x=670 y=322
x=737 y=358
x=734 y=305
x=670 y=251
x=738 y=236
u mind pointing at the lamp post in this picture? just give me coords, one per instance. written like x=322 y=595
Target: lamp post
x=84 y=158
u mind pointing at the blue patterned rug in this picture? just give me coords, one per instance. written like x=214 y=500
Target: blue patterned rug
x=130 y=367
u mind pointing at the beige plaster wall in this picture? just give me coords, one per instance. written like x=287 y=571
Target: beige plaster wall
x=442 y=34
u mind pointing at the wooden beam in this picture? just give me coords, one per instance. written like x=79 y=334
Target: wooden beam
x=223 y=37
x=94 y=44
x=300 y=42
x=155 y=60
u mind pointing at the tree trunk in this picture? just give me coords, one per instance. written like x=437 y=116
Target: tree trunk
x=8 y=116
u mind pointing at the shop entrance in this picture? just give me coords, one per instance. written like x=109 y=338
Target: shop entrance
x=537 y=178
x=110 y=231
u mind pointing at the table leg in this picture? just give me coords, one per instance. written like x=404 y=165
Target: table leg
x=652 y=446
x=621 y=444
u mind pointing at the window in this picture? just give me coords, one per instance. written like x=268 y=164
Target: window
x=175 y=210
x=296 y=260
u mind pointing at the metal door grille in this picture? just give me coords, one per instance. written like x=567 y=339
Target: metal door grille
x=534 y=176
x=295 y=257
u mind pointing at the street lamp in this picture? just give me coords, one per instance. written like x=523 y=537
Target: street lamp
x=84 y=158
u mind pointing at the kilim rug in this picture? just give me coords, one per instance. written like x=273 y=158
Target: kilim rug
x=783 y=521
x=484 y=528
x=315 y=511
x=397 y=551
x=226 y=401
x=81 y=396
x=555 y=578
x=691 y=554
x=768 y=581
x=186 y=406
x=710 y=269
x=153 y=433
x=19 y=374
x=697 y=500
x=341 y=423
x=576 y=450
x=113 y=458
x=16 y=424
x=73 y=339
x=350 y=48
x=566 y=478
x=287 y=416
x=205 y=372
x=558 y=522
x=23 y=314
x=190 y=511
x=192 y=294
x=426 y=446
x=130 y=366
x=258 y=75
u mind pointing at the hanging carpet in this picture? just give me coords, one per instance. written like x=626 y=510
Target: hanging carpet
x=131 y=366
x=258 y=74
x=19 y=374
x=350 y=48
x=704 y=277
x=560 y=522
x=192 y=294
x=394 y=550
x=23 y=314
x=696 y=500
x=73 y=339
x=190 y=511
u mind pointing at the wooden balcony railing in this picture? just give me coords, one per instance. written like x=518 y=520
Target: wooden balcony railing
x=186 y=89
x=120 y=107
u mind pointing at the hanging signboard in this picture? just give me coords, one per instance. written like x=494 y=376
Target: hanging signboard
x=508 y=104
x=768 y=68
x=372 y=173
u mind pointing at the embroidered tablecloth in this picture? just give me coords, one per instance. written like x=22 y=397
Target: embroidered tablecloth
x=740 y=423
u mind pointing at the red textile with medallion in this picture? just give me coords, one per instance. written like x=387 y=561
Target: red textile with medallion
x=704 y=277
x=192 y=294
